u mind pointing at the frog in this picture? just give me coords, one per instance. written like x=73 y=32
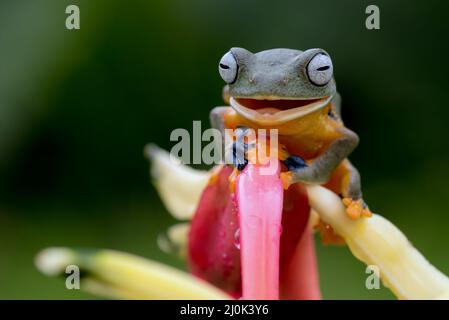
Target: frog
x=295 y=92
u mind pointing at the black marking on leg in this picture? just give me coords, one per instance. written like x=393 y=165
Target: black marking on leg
x=294 y=163
x=240 y=164
x=331 y=114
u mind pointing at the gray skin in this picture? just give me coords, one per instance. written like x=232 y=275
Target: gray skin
x=277 y=72
x=282 y=74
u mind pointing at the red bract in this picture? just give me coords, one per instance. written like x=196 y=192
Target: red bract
x=276 y=256
x=212 y=252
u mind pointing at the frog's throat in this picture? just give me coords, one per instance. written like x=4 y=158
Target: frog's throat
x=277 y=115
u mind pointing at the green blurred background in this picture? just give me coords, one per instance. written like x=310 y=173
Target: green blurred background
x=77 y=107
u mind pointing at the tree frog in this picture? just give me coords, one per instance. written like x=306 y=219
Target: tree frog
x=294 y=92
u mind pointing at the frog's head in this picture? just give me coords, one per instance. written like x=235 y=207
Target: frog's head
x=278 y=85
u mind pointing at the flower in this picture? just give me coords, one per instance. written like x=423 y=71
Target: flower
x=215 y=256
x=121 y=275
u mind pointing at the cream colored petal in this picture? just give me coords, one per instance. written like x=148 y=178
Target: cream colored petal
x=314 y=219
x=175 y=239
x=179 y=186
x=376 y=241
x=105 y=290
x=122 y=275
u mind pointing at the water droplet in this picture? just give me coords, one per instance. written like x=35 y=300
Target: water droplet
x=237 y=239
x=227 y=260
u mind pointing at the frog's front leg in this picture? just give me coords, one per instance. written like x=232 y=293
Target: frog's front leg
x=235 y=151
x=346 y=181
x=319 y=171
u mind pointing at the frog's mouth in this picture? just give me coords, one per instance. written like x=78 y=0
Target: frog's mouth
x=272 y=110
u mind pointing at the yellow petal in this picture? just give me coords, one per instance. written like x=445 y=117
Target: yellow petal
x=376 y=241
x=122 y=275
x=179 y=186
x=175 y=240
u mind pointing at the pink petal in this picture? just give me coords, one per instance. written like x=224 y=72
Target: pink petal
x=260 y=201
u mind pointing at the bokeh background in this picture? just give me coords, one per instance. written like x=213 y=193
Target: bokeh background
x=77 y=108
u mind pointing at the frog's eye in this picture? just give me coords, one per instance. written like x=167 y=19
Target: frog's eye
x=228 y=68
x=319 y=69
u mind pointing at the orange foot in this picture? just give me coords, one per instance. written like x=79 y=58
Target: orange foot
x=356 y=209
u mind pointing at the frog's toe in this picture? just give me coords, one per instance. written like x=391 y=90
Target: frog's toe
x=356 y=208
x=366 y=213
x=237 y=155
x=240 y=164
x=294 y=164
x=240 y=150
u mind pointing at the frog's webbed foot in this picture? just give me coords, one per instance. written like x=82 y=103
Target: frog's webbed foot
x=238 y=148
x=352 y=194
x=294 y=165
x=304 y=172
x=236 y=154
x=356 y=208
